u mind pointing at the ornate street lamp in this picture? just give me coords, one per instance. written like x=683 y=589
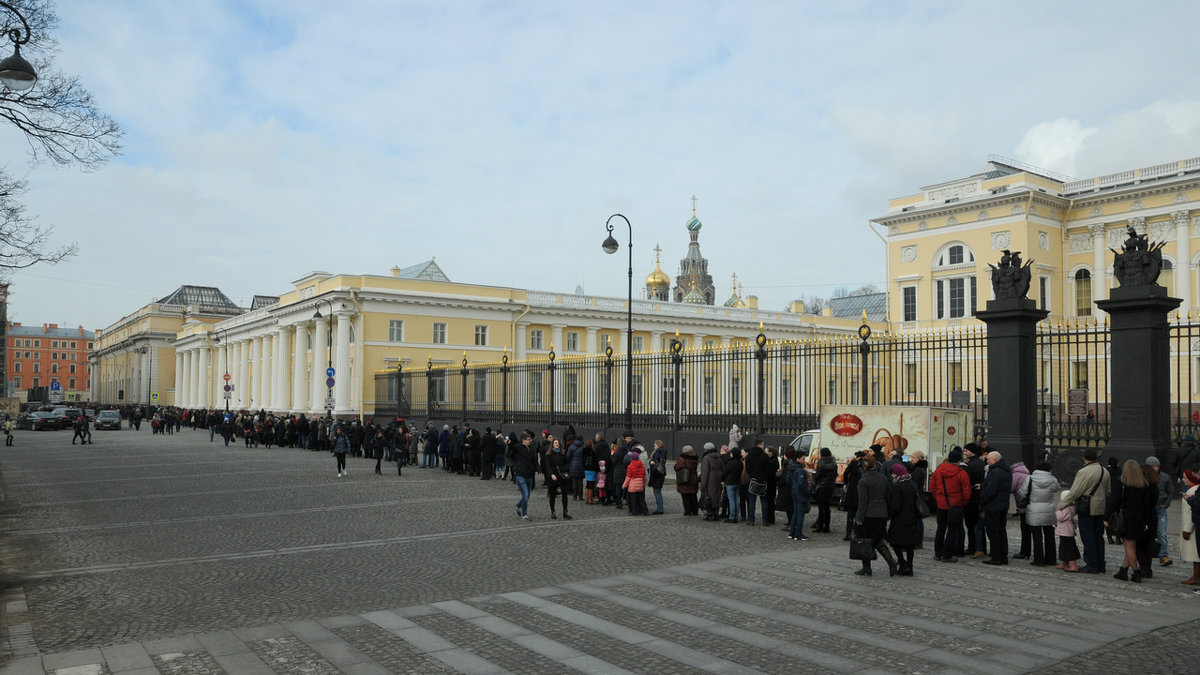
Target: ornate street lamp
x=328 y=344
x=225 y=347
x=610 y=246
x=16 y=73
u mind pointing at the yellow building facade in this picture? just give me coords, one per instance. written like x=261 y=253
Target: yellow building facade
x=941 y=241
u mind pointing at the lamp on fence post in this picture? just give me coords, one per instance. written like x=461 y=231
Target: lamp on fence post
x=677 y=359
x=399 y=389
x=551 y=366
x=608 y=366
x=16 y=73
x=975 y=427
x=504 y=387
x=864 y=349
x=610 y=245
x=464 y=386
x=429 y=389
x=761 y=355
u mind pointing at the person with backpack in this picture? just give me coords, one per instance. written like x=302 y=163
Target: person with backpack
x=657 y=475
x=687 y=480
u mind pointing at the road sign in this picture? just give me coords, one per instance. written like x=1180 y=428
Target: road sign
x=228 y=388
x=55 y=396
x=55 y=386
x=228 y=396
x=228 y=377
x=330 y=372
x=329 y=382
x=329 y=403
x=154 y=396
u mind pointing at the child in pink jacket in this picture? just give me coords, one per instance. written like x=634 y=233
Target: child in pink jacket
x=1068 y=552
x=601 y=493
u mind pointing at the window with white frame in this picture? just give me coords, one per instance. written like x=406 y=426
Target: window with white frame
x=536 y=387
x=481 y=336
x=1166 y=277
x=954 y=286
x=1044 y=293
x=439 y=333
x=638 y=344
x=909 y=303
x=572 y=341
x=571 y=387
x=710 y=390
x=735 y=390
x=481 y=386
x=605 y=342
x=537 y=339
x=1083 y=293
x=638 y=396
x=395 y=330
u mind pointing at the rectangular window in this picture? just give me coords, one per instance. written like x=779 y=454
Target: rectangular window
x=910 y=303
x=638 y=344
x=572 y=342
x=785 y=392
x=735 y=391
x=710 y=344
x=974 y=296
x=939 y=286
x=37 y=367
x=71 y=384
x=54 y=344
x=16 y=366
x=37 y=343
x=535 y=388
x=73 y=345
x=853 y=392
x=437 y=386
x=16 y=383
x=833 y=391
x=710 y=390
x=956 y=255
x=439 y=333
x=954 y=375
x=957 y=298
x=638 y=397
x=605 y=343
x=481 y=336
x=535 y=339
x=481 y=386
x=571 y=384
x=1080 y=374
x=605 y=390
x=1083 y=295
x=395 y=331
x=72 y=356
x=72 y=368
x=37 y=382
x=28 y=343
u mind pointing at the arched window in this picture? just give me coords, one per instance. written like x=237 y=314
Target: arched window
x=955 y=293
x=1083 y=293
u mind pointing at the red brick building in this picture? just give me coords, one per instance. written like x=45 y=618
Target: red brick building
x=36 y=356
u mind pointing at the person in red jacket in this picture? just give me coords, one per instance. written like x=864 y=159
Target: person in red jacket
x=635 y=486
x=951 y=489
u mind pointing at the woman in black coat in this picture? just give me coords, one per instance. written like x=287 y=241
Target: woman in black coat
x=850 y=491
x=1135 y=503
x=824 y=481
x=711 y=470
x=904 y=530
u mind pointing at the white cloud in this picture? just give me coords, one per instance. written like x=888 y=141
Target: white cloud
x=1054 y=145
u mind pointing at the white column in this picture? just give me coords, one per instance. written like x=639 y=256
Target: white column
x=590 y=347
x=725 y=386
x=1099 y=269
x=522 y=341
x=320 y=356
x=299 y=363
x=255 y=373
x=341 y=389
x=181 y=378
x=243 y=374
x=267 y=356
x=218 y=375
x=556 y=339
x=1183 y=261
x=194 y=379
x=283 y=399
x=205 y=380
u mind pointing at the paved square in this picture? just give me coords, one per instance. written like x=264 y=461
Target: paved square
x=173 y=554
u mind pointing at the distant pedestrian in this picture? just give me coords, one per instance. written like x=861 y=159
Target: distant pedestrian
x=341 y=446
x=798 y=483
x=951 y=489
x=1068 y=551
x=524 y=466
x=1042 y=492
x=687 y=479
x=1092 y=481
x=711 y=471
x=1134 y=502
x=634 y=485
x=657 y=475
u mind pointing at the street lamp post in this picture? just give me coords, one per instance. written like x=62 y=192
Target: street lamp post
x=328 y=345
x=16 y=73
x=149 y=371
x=226 y=379
x=610 y=246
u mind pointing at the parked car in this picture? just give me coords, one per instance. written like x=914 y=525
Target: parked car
x=91 y=414
x=68 y=417
x=38 y=421
x=108 y=419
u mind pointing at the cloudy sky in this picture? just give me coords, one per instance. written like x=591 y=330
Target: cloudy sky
x=265 y=139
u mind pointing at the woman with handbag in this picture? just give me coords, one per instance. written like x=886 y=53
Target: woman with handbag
x=1133 y=506
x=687 y=481
x=871 y=518
x=904 y=531
x=951 y=488
x=823 y=485
x=657 y=475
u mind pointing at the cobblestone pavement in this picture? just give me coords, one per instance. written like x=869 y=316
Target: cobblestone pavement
x=170 y=554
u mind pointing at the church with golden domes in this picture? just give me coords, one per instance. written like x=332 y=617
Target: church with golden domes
x=693 y=285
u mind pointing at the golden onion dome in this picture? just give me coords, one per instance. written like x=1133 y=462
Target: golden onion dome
x=658 y=278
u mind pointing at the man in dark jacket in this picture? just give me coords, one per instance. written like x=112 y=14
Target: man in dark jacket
x=524 y=465
x=850 y=490
x=758 y=465
x=993 y=502
x=976 y=469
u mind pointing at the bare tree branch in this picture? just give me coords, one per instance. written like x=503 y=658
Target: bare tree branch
x=23 y=242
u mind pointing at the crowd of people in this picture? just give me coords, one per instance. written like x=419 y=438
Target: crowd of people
x=887 y=499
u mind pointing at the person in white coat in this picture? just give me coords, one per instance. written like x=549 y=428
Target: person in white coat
x=1043 y=490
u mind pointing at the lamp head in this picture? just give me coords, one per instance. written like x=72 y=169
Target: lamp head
x=610 y=244
x=16 y=73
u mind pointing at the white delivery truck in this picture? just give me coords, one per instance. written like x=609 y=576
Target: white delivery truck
x=846 y=429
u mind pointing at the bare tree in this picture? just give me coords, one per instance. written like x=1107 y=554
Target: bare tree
x=60 y=123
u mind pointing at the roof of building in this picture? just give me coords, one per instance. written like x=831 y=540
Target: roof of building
x=261 y=301
x=50 y=331
x=208 y=296
x=852 y=306
x=428 y=270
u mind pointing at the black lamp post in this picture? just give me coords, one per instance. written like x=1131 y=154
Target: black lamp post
x=149 y=371
x=328 y=345
x=16 y=73
x=225 y=347
x=610 y=245
x=864 y=351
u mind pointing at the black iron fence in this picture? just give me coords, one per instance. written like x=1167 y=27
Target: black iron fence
x=778 y=387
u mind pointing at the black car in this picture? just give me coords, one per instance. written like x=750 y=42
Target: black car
x=39 y=421
x=108 y=419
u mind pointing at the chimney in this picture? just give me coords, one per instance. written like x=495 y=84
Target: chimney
x=797 y=307
x=751 y=302
x=826 y=311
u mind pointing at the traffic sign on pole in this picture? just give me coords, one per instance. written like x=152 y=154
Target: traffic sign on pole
x=330 y=372
x=329 y=382
x=228 y=377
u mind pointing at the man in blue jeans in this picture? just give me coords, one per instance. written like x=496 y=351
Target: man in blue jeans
x=1093 y=482
x=1166 y=494
x=525 y=463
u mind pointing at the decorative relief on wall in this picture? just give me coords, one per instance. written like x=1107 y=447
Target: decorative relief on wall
x=922 y=226
x=1000 y=240
x=1180 y=198
x=1081 y=243
x=1017 y=210
x=1096 y=212
x=952 y=192
x=1116 y=238
x=984 y=215
x=908 y=254
x=952 y=220
x=1195 y=226
x=1137 y=205
x=1162 y=231
x=894 y=229
x=1044 y=241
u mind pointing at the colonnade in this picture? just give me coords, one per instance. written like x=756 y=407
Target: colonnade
x=280 y=368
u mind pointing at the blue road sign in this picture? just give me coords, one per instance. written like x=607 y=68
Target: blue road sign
x=330 y=372
x=229 y=387
x=329 y=382
x=55 y=386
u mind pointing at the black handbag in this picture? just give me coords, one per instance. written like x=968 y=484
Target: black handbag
x=954 y=514
x=757 y=487
x=1083 y=503
x=862 y=549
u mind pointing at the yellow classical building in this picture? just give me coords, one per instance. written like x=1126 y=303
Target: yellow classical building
x=941 y=240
